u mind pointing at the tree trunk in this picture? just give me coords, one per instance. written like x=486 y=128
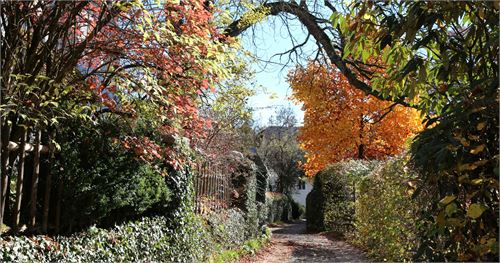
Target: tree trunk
x=19 y=183
x=34 y=180
x=361 y=151
x=361 y=146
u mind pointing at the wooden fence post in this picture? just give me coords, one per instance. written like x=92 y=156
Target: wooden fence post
x=48 y=186
x=210 y=186
x=34 y=180
x=20 y=179
x=195 y=189
x=60 y=189
x=4 y=177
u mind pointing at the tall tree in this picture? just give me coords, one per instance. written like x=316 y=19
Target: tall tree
x=280 y=150
x=65 y=60
x=442 y=58
x=228 y=111
x=342 y=122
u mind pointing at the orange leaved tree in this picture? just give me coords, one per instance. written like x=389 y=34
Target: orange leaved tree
x=342 y=122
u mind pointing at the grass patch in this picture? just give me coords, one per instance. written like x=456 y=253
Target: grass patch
x=250 y=247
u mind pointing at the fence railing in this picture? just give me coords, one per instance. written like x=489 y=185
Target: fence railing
x=18 y=159
x=212 y=185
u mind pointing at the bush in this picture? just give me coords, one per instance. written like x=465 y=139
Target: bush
x=386 y=213
x=315 y=206
x=245 y=178
x=105 y=183
x=249 y=247
x=150 y=239
x=228 y=228
x=278 y=207
x=330 y=204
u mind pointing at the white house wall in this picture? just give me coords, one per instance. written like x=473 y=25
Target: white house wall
x=300 y=195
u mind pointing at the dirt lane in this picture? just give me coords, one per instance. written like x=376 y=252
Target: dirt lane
x=291 y=243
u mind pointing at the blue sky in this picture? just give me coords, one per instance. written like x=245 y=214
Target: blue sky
x=270 y=38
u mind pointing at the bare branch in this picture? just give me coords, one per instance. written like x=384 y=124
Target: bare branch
x=310 y=22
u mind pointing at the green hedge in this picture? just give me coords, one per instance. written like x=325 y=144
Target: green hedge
x=386 y=213
x=249 y=247
x=150 y=239
x=278 y=207
x=244 y=181
x=104 y=183
x=315 y=206
x=178 y=235
x=330 y=204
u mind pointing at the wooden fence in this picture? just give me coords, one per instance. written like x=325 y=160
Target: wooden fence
x=14 y=158
x=212 y=185
x=22 y=158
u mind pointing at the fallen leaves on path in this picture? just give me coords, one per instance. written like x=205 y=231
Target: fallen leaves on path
x=291 y=243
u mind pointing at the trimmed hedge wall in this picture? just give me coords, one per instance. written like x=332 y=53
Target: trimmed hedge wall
x=330 y=204
x=315 y=205
x=172 y=232
x=150 y=239
x=244 y=179
x=279 y=207
x=386 y=213
x=380 y=216
x=298 y=210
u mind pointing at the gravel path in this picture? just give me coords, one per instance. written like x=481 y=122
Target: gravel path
x=291 y=243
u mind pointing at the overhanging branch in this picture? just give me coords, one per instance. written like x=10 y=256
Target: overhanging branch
x=310 y=22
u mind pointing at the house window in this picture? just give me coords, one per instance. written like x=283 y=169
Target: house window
x=302 y=185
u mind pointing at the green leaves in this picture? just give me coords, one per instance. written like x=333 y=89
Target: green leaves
x=386 y=215
x=475 y=210
x=448 y=199
x=451 y=209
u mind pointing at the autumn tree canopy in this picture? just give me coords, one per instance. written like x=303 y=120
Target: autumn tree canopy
x=342 y=122
x=120 y=61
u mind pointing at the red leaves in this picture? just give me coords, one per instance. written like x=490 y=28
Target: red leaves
x=178 y=70
x=144 y=148
x=204 y=84
x=125 y=54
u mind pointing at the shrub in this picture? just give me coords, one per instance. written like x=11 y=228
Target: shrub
x=386 y=213
x=330 y=204
x=315 y=206
x=149 y=239
x=246 y=177
x=249 y=247
x=228 y=228
x=104 y=182
x=172 y=233
x=278 y=207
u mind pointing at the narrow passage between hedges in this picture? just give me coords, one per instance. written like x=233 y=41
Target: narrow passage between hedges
x=292 y=243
